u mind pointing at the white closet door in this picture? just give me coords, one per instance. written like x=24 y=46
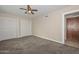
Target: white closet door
x=23 y=27
x=14 y=27
x=7 y=28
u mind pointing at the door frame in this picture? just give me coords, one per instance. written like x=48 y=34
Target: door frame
x=64 y=24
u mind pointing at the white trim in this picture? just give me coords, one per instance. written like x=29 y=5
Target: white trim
x=16 y=37
x=63 y=35
x=64 y=24
x=49 y=39
x=71 y=12
x=72 y=16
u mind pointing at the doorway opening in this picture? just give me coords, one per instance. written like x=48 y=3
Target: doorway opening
x=71 y=29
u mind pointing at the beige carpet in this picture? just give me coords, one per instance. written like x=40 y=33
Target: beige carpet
x=34 y=45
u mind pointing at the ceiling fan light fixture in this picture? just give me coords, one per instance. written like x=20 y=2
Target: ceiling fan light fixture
x=29 y=11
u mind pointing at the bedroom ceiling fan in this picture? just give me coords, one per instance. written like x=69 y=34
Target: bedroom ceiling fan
x=29 y=10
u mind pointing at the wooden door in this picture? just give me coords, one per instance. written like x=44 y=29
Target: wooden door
x=73 y=28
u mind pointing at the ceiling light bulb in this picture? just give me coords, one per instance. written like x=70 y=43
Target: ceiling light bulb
x=29 y=11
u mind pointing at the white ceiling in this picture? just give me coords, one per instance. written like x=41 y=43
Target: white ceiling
x=42 y=9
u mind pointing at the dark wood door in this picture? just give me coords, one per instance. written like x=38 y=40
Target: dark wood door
x=73 y=28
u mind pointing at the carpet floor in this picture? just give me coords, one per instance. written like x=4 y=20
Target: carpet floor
x=72 y=42
x=34 y=45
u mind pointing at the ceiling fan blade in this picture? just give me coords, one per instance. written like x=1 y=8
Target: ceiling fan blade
x=34 y=10
x=25 y=12
x=23 y=9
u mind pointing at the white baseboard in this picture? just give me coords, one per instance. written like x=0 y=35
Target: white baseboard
x=23 y=36
x=40 y=37
x=49 y=39
x=16 y=37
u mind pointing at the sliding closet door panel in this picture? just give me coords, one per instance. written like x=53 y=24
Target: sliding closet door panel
x=25 y=27
x=14 y=26
x=7 y=28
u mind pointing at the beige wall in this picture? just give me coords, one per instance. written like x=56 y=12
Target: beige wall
x=51 y=27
